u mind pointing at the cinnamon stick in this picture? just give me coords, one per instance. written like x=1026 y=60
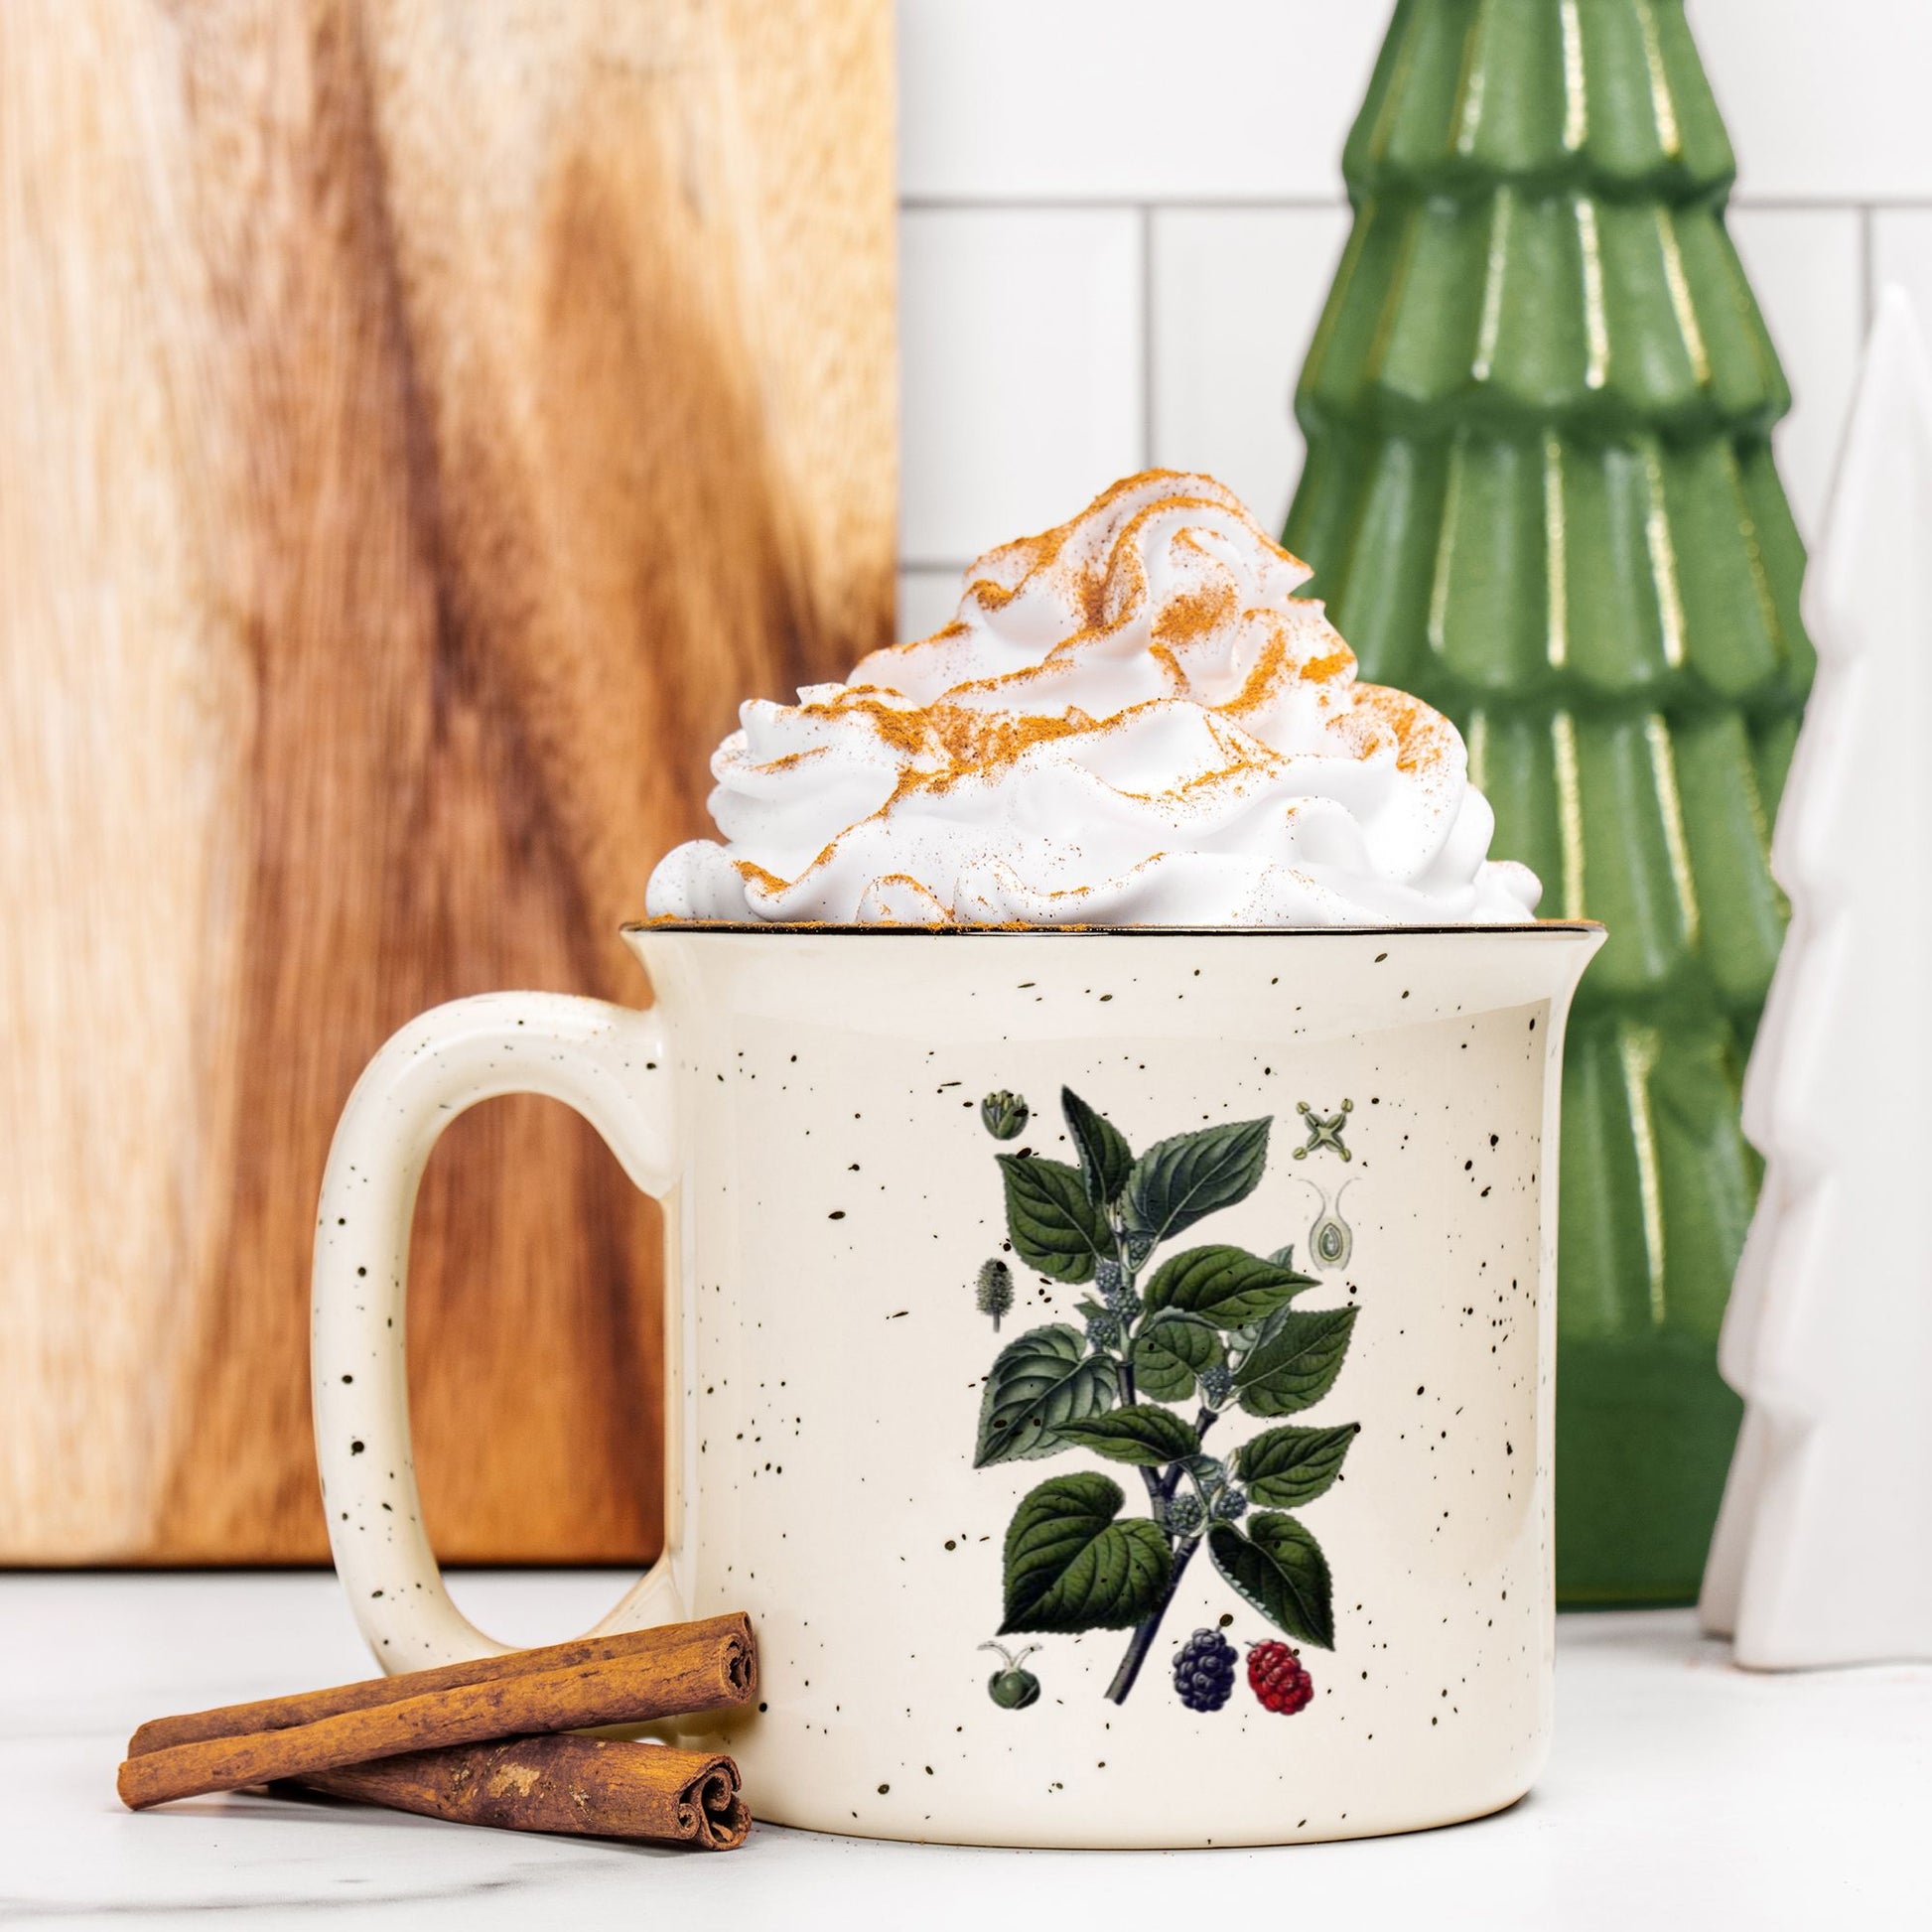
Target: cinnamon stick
x=590 y=1786
x=628 y=1679
x=673 y=1649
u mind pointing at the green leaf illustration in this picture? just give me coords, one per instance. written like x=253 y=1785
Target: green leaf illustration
x=1141 y=1434
x=1286 y=1468
x=1225 y=1286
x=1171 y=1352
x=1296 y=1361
x=1105 y=1158
x=1178 y=1181
x=1039 y=1381
x=1280 y=1569
x=1055 y=1226
x=1069 y=1566
x=1209 y=1471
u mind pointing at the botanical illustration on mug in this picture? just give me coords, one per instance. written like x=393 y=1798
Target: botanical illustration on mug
x=1173 y=1346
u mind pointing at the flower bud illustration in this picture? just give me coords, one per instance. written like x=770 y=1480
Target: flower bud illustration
x=1005 y=1115
x=1331 y=1240
x=1324 y=1132
x=993 y=1294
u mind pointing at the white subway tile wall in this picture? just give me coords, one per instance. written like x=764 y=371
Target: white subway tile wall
x=1237 y=292
x=1022 y=355
x=927 y=599
x=1901 y=252
x=1807 y=268
x=1120 y=218
x=1825 y=100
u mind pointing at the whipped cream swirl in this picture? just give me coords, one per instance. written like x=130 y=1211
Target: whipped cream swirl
x=1132 y=721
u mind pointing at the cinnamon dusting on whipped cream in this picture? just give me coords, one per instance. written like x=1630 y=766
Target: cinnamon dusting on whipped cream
x=1133 y=721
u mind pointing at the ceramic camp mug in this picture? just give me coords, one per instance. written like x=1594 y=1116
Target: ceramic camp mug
x=1113 y=1369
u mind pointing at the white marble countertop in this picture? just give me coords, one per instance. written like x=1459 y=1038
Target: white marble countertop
x=1683 y=1793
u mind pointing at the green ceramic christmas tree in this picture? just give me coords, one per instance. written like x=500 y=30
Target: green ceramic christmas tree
x=1540 y=493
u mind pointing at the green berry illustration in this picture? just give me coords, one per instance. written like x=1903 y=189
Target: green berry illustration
x=1231 y=1505
x=994 y=1293
x=1103 y=1326
x=1184 y=1517
x=1014 y=1687
x=1110 y=1278
x=1005 y=1115
x=1217 y=1385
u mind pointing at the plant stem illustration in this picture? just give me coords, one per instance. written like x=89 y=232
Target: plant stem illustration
x=1165 y=1350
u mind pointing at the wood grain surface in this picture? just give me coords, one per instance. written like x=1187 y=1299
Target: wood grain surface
x=420 y=426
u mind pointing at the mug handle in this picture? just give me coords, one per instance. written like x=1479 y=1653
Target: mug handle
x=610 y=1064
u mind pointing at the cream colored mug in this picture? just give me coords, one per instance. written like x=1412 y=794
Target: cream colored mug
x=1113 y=1368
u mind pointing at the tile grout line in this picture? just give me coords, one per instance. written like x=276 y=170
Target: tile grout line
x=1143 y=218
x=1147 y=337
x=1824 y=204
x=1742 y=202
x=1868 y=262
x=1116 y=204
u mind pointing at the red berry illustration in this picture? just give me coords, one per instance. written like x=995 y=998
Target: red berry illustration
x=1278 y=1679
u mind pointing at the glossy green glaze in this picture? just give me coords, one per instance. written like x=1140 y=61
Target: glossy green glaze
x=1540 y=493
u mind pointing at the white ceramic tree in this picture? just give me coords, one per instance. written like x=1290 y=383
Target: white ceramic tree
x=1822 y=1553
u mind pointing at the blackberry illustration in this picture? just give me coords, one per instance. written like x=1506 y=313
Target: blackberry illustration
x=1217 y=1385
x=1203 y=1671
x=993 y=1294
x=1184 y=1517
x=1005 y=1115
x=1277 y=1677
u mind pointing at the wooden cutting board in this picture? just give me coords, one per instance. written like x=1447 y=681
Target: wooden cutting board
x=420 y=426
